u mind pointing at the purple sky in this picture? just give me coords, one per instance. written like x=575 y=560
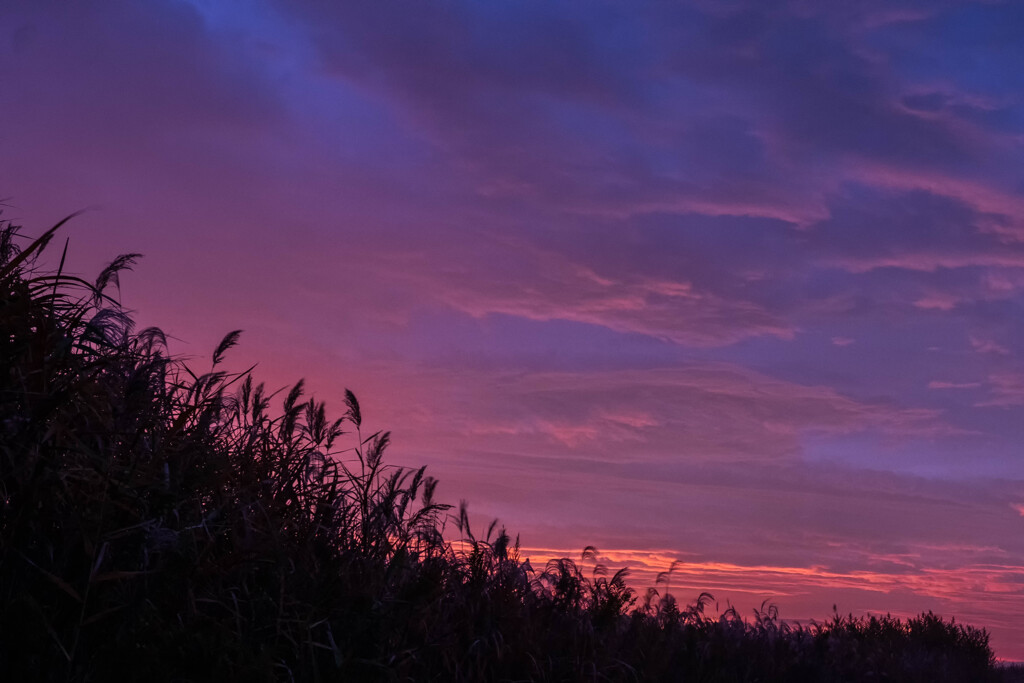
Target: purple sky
x=739 y=284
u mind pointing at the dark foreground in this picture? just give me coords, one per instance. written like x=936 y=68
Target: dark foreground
x=163 y=523
x=1011 y=673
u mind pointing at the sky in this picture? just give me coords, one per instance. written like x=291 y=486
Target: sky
x=737 y=284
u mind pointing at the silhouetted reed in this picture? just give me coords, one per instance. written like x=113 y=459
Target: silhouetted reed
x=163 y=523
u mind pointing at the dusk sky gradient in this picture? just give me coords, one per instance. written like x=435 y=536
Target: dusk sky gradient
x=733 y=283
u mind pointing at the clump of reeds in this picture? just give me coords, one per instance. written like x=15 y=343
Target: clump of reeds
x=164 y=523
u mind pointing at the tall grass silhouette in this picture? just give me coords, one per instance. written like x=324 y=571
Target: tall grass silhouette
x=162 y=522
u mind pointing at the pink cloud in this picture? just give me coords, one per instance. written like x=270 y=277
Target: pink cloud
x=877 y=17
x=1006 y=389
x=1003 y=283
x=937 y=302
x=930 y=261
x=953 y=385
x=984 y=197
x=984 y=345
x=528 y=282
x=698 y=413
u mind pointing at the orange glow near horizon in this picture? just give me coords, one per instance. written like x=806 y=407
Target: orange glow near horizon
x=988 y=595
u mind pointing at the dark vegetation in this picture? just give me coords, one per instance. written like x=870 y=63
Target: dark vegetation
x=159 y=523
